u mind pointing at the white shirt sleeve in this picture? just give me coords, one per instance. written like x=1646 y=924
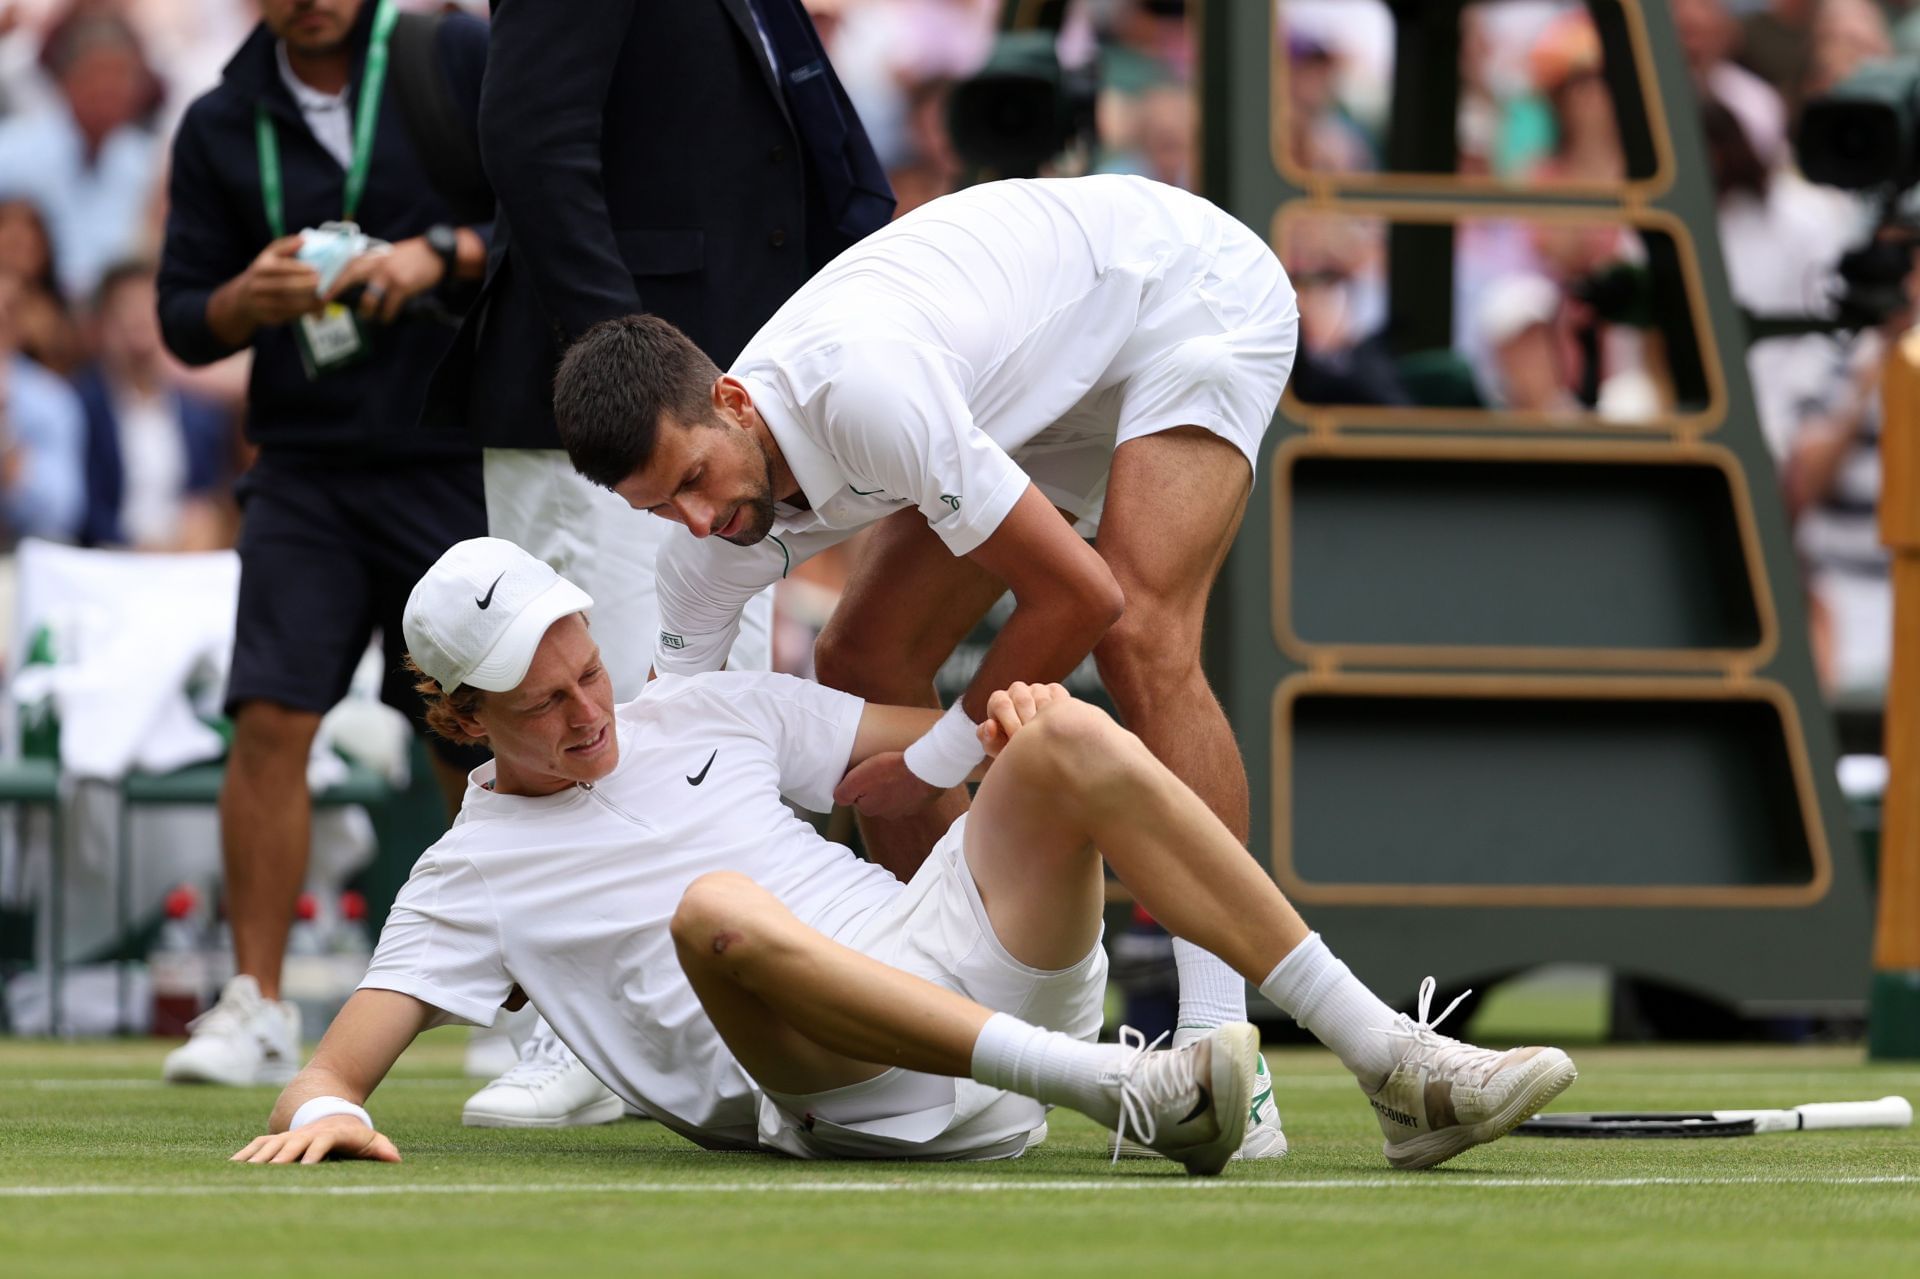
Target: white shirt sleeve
x=809 y=726
x=441 y=942
x=701 y=586
x=894 y=416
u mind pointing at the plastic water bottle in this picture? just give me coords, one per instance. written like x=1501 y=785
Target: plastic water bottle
x=306 y=976
x=39 y=720
x=177 y=965
x=351 y=945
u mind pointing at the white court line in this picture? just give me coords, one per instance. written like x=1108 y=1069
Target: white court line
x=51 y=1085
x=1010 y=1185
x=1284 y=1082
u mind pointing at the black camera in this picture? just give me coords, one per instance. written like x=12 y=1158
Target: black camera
x=1865 y=131
x=1023 y=108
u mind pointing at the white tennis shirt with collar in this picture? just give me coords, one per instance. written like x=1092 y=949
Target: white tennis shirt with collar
x=569 y=895
x=910 y=369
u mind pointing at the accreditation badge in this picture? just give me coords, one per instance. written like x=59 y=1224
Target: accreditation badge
x=330 y=340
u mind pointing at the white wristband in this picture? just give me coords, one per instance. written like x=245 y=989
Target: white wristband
x=320 y=1108
x=948 y=751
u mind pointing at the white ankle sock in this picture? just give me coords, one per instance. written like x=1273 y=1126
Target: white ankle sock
x=1211 y=994
x=1316 y=989
x=1047 y=1066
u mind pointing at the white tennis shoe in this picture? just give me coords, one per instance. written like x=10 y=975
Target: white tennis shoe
x=1190 y=1104
x=548 y=1087
x=1264 y=1139
x=1445 y=1097
x=244 y=1039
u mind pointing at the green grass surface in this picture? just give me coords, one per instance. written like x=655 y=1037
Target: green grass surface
x=103 y=1171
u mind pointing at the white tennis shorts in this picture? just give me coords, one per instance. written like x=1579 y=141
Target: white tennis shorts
x=938 y=929
x=1216 y=355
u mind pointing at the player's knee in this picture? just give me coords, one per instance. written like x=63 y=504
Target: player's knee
x=849 y=662
x=1149 y=651
x=718 y=913
x=1078 y=748
x=265 y=731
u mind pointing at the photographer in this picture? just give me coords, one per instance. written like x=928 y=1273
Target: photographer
x=350 y=501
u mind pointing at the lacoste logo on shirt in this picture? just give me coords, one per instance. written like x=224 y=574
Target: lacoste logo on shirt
x=487 y=599
x=701 y=776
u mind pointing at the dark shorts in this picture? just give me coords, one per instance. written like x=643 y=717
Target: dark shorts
x=328 y=555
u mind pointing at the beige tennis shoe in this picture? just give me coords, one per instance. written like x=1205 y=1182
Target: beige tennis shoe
x=1445 y=1097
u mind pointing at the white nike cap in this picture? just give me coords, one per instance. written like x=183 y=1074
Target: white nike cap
x=480 y=612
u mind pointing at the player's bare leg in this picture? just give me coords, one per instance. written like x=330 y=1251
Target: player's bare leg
x=909 y=601
x=266 y=827
x=1174 y=504
x=1072 y=780
x=805 y=1015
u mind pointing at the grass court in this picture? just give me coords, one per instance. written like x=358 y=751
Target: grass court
x=104 y=1171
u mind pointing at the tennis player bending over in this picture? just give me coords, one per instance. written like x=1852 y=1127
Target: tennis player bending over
x=752 y=986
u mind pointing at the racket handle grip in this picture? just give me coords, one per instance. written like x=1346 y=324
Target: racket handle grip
x=1888 y=1112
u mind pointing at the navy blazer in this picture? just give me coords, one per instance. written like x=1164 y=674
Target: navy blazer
x=217 y=224
x=645 y=158
x=204 y=428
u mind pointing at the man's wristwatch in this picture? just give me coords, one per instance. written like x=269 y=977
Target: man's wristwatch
x=445 y=241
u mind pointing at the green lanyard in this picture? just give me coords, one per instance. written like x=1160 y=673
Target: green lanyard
x=366 y=115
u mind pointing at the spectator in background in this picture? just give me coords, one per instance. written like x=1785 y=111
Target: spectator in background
x=43 y=324
x=1831 y=478
x=928 y=167
x=1532 y=365
x=156 y=456
x=1166 y=136
x=1569 y=71
x=1780 y=236
x=42 y=433
x=1320 y=134
x=1846 y=34
x=1776 y=44
x=1708 y=36
x=349 y=500
x=89 y=163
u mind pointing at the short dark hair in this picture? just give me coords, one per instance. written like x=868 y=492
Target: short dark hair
x=615 y=383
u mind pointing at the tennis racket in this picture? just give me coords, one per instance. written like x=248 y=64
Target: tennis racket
x=1888 y=1112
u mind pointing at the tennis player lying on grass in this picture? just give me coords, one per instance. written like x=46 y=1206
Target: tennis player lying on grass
x=752 y=986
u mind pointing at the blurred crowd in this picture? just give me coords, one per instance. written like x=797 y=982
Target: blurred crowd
x=105 y=440
x=1554 y=317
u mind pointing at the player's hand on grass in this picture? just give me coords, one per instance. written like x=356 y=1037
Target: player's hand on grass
x=1012 y=709
x=883 y=786
x=335 y=1137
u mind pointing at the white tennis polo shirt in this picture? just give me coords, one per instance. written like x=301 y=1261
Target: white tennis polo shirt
x=569 y=895
x=907 y=372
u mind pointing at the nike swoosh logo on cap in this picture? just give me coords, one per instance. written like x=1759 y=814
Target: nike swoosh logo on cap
x=487 y=599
